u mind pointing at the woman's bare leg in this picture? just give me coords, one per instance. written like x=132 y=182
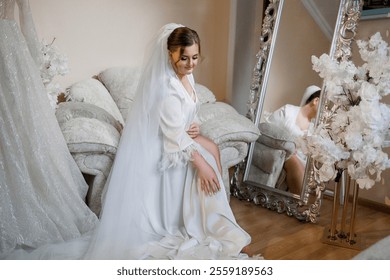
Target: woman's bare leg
x=295 y=171
x=211 y=147
x=247 y=250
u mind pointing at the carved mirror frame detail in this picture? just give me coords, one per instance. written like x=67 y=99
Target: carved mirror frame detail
x=270 y=22
x=292 y=205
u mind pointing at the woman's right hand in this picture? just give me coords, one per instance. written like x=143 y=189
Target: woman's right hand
x=194 y=130
x=208 y=178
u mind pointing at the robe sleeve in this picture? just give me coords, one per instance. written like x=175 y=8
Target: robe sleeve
x=278 y=117
x=178 y=146
x=285 y=119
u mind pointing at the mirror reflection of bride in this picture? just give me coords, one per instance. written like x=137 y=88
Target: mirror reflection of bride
x=295 y=120
x=42 y=190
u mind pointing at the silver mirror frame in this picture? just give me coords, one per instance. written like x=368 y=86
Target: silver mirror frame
x=307 y=206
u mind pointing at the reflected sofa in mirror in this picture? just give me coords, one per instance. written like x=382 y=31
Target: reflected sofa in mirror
x=292 y=32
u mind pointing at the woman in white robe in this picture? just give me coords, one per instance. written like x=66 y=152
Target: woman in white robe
x=164 y=198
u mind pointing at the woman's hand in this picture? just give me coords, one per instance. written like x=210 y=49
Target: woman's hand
x=194 y=130
x=208 y=179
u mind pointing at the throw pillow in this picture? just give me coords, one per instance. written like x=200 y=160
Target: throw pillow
x=121 y=82
x=92 y=91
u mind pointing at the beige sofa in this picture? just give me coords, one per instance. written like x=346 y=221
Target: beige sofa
x=95 y=111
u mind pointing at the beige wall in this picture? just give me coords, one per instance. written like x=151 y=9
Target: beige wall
x=299 y=38
x=96 y=34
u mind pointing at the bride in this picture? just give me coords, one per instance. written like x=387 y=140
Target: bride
x=163 y=198
x=41 y=188
x=163 y=195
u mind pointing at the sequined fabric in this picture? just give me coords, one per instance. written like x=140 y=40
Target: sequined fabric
x=41 y=187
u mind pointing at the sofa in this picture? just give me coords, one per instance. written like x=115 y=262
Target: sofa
x=94 y=112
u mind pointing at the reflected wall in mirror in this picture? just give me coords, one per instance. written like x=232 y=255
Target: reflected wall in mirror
x=292 y=32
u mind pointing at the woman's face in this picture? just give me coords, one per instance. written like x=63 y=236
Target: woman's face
x=184 y=64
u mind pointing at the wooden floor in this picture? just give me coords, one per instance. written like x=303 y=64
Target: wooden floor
x=280 y=237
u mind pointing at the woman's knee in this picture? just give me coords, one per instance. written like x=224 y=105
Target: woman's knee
x=293 y=162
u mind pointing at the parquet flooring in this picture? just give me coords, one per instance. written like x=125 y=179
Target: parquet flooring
x=280 y=237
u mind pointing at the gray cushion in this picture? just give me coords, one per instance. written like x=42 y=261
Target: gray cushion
x=274 y=137
x=93 y=91
x=72 y=110
x=204 y=94
x=268 y=159
x=209 y=111
x=84 y=135
x=121 y=82
x=230 y=127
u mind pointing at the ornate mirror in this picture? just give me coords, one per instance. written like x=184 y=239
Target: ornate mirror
x=292 y=32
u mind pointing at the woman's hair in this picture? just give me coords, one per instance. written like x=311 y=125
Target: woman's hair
x=314 y=95
x=182 y=37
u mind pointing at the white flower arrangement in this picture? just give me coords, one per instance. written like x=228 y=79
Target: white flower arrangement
x=352 y=132
x=54 y=64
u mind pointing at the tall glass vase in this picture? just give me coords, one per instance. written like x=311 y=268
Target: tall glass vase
x=342 y=230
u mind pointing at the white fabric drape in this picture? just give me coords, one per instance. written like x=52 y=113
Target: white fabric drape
x=42 y=190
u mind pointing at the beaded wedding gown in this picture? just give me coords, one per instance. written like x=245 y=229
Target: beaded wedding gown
x=42 y=190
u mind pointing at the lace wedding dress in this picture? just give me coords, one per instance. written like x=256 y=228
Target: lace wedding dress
x=41 y=188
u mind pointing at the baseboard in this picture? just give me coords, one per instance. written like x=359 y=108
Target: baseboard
x=365 y=202
x=374 y=205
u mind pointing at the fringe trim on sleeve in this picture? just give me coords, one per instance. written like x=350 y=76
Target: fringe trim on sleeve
x=178 y=158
